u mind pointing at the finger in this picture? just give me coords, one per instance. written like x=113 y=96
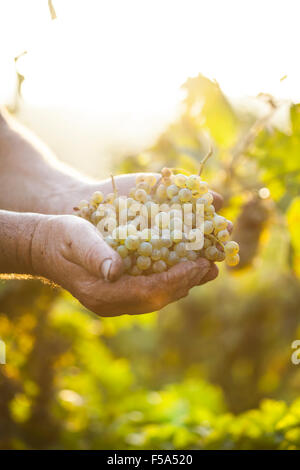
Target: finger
x=218 y=200
x=87 y=248
x=211 y=275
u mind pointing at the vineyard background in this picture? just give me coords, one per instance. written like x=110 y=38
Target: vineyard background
x=212 y=371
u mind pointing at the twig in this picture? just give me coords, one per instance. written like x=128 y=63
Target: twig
x=204 y=160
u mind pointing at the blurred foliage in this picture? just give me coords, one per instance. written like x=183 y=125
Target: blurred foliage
x=212 y=371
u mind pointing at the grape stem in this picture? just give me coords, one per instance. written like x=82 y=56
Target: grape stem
x=114 y=185
x=204 y=160
x=212 y=237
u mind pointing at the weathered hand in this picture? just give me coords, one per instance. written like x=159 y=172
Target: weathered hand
x=71 y=252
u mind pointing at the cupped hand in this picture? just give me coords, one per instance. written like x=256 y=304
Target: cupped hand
x=70 y=252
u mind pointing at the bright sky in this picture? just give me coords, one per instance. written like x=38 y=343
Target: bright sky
x=130 y=56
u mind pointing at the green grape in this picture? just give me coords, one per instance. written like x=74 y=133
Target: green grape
x=127 y=263
x=193 y=182
x=164 y=253
x=172 y=191
x=173 y=258
x=190 y=219
x=132 y=242
x=131 y=229
x=110 y=241
x=219 y=222
x=83 y=203
x=84 y=212
x=145 y=249
x=159 y=266
x=180 y=180
x=175 y=202
x=211 y=252
x=145 y=186
x=209 y=210
x=143 y=262
x=185 y=195
x=97 y=197
x=191 y=255
x=156 y=243
x=231 y=248
x=156 y=254
x=208 y=227
x=220 y=256
x=223 y=236
x=151 y=180
x=180 y=249
x=122 y=250
x=140 y=195
x=161 y=191
x=140 y=179
x=203 y=188
x=232 y=260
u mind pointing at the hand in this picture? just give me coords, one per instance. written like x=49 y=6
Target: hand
x=71 y=252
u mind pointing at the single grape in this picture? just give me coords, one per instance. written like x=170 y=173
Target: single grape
x=175 y=202
x=143 y=262
x=132 y=242
x=156 y=254
x=172 y=191
x=145 y=249
x=127 y=263
x=223 y=236
x=180 y=180
x=220 y=256
x=180 y=249
x=145 y=186
x=151 y=180
x=185 y=195
x=161 y=191
x=219 y=222
x=140 y=195
x=110 y=241
x=122 y=250
x=84 y=212
x=97 y=197
x=202 y=188
x=231 y=248
x=211 y=252
x=164 y=253
x=209 y=210
x=232 y=260
x=173 y=258
x=208 y=227
x=176 y=213
x=159 y=266
x=193 y=182
x=165 y=239
x=156 y=243
x=83 y=203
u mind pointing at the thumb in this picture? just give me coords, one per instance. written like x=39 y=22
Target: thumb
x=90 y=251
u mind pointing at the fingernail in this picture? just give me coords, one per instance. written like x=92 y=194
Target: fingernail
x=105 y=268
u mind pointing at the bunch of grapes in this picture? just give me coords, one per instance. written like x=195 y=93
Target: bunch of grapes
x=161 y=222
